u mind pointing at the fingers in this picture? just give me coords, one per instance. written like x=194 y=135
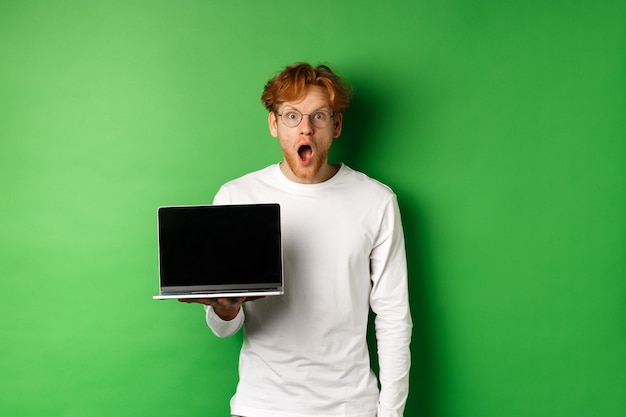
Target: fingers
x=231 y=302
x=255 y=298
x=221 y=302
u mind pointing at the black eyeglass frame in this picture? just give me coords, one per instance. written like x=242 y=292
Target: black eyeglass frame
x=311 y=119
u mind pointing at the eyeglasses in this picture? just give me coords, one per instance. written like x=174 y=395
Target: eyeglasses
x=319 y=119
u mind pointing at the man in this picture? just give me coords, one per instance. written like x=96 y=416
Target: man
x=305 y=352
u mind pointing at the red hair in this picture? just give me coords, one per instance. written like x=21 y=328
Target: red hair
x=291 y=84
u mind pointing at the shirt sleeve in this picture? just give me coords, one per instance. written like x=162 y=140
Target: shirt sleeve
x=223 y=328
x=389 y=301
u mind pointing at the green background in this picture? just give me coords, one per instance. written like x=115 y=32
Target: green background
x=500 y=125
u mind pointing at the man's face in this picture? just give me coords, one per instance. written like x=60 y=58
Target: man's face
x=305 y=146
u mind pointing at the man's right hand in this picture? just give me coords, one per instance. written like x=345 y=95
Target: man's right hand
x=226 y=308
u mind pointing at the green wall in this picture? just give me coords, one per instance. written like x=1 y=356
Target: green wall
x=500 y=125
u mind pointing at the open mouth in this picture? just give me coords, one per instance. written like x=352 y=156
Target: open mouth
x=305 y=152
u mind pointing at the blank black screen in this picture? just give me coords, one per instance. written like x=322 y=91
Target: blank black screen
x=220 y=245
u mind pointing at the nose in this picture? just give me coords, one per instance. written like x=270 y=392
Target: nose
x=306 y=127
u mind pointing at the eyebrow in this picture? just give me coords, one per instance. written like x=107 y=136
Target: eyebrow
x=289 y=107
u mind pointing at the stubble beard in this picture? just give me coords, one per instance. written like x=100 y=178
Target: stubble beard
x=306 y=172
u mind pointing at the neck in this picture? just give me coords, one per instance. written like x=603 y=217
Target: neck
x=326 y=172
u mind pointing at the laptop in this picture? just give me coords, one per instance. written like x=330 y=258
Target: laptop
x=219 y=251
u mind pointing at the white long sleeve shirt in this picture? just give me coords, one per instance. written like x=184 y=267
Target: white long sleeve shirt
x=305 y=353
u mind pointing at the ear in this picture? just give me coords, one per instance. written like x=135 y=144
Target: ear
x=272 y=121
x=338 y=122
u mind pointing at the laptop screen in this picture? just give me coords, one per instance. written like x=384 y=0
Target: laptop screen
x=220 y=247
